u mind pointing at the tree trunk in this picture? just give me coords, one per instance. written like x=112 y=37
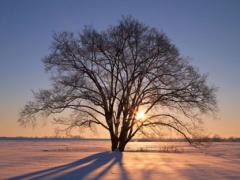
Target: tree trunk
x=122 y=138
x=121 y=146
x=122 y=143
x=118 y=145
x=114 y=143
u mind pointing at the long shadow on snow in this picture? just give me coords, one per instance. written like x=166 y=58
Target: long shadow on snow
x=81 y=168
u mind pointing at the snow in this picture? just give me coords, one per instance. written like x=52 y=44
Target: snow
x=88 y=159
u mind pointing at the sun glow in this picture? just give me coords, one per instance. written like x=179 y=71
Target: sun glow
x=140 y=115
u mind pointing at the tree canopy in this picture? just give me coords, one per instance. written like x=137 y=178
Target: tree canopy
x=128 y=78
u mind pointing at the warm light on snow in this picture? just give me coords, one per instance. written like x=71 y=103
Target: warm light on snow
x=91 y=159
x=140 y=115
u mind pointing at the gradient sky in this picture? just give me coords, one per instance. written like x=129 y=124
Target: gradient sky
x=207 y=31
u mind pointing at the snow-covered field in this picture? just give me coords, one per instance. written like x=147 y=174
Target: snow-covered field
x=86 y=159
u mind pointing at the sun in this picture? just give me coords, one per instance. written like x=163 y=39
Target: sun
x=140 y=115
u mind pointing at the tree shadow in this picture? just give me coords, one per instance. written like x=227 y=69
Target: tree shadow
x=81 y=168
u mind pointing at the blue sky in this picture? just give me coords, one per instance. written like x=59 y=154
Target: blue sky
x=207 y=31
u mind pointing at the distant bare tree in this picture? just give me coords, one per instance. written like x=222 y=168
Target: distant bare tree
x=127 y=78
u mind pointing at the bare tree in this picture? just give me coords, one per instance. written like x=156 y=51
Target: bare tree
x=127 y=78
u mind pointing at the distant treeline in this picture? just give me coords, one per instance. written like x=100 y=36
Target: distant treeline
x=205 y=139
x=52 y=138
